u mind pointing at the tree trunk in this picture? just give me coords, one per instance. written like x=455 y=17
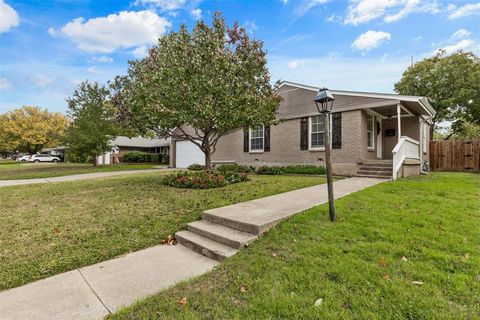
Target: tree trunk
x=208 y=160
x=94 y=160
x=432 y=129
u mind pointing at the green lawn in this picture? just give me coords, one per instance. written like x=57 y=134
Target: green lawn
x=6 y=162
x=51 y=228
x=42 y=170
x=354 y=265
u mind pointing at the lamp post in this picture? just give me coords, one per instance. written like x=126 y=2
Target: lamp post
x=324 y=101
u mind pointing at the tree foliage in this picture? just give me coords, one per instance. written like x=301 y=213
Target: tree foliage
x=93 y=124
x=467 y=130
x=212 y=79
x=30 y=129
x=451 y=82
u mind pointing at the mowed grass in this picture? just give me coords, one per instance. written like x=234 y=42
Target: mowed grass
x=6 y=162
x=49 y=170
x=51 y=228
x=355 y=265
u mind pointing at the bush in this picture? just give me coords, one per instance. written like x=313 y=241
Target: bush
x=155 y=158
x=196 y=167
x=164 y=158
x=203 y=179
x=136 y=157
x=234 y=177
x=271 y=170
x=234 y=168
x=294 y=169
x=304 y=169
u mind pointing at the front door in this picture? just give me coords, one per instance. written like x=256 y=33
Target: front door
x=379 y=138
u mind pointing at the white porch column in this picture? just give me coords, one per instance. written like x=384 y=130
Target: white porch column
x=399 y=123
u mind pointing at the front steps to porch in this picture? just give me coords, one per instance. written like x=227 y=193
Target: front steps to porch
x=375 y=169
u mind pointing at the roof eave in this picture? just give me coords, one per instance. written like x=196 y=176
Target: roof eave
x=420 y=100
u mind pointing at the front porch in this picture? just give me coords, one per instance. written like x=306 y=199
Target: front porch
x=399 y=141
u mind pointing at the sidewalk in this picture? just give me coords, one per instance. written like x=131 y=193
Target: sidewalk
x=82 y=176
x=95 y=291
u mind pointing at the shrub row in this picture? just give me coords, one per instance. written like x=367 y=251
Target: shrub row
x=297 y=169
x=203 y=179
x=270 y=170
x=304 y=169
x=235 y=168
x=144 y=157
x=196 y=167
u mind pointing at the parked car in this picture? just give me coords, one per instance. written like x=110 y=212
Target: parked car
x=43 y=158
x=23 y=158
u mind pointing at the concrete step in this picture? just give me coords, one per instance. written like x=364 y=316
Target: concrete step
x=375 y=168
x=375 y=173
x=373 y=176
x=234 y=223
x=376 y=162
x=381 y=165
x=205 y=246
x=222 y=234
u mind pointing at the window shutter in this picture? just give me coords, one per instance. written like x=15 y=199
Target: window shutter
x=337 y=130
x=266 y=138
x=304 y=133
x=245 y=140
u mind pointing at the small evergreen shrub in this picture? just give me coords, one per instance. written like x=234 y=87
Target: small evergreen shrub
x=196 y=167
x=224 y=168
x=155 y=158
x=235 y=177
x=203 y=179
x=304 y=169
x=164 y=158
x=135 y=157
x=270 y=170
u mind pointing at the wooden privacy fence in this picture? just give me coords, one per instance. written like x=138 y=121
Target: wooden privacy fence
x=455 y=155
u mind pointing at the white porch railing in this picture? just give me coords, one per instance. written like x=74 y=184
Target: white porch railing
x=406 y=148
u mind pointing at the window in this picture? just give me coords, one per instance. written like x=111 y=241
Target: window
x=316 y=132
x=370 y=131
x=256 y=139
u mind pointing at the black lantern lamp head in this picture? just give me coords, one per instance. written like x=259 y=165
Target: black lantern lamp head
x=324 y=100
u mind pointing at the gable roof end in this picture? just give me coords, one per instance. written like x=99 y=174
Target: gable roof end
x=422 y=101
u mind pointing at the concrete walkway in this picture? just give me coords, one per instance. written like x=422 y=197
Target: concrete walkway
x=95 y=291
x=74 y=177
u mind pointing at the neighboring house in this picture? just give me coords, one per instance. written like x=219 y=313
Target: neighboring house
x=373 y=134
x=122 y=145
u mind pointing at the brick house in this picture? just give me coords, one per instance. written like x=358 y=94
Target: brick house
x=373 y=134
x=122 y=145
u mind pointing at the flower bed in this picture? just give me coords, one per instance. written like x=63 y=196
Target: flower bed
x=204 y=179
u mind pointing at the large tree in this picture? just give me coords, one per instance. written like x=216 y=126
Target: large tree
x=213 y=79
x=30 y=129
x=451 y=82
x=93 y=125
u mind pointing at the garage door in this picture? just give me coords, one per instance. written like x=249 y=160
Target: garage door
x=188 y=153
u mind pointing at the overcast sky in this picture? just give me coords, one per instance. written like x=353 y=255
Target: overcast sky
x=48 y=47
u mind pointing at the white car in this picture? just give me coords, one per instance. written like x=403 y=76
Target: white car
x=43 y=158
x=23 y=158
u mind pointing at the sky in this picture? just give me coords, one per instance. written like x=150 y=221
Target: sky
x=47 y=47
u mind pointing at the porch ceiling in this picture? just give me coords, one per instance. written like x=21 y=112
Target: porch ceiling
x=389 y=111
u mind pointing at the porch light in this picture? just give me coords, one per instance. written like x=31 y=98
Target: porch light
x=324 y=100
